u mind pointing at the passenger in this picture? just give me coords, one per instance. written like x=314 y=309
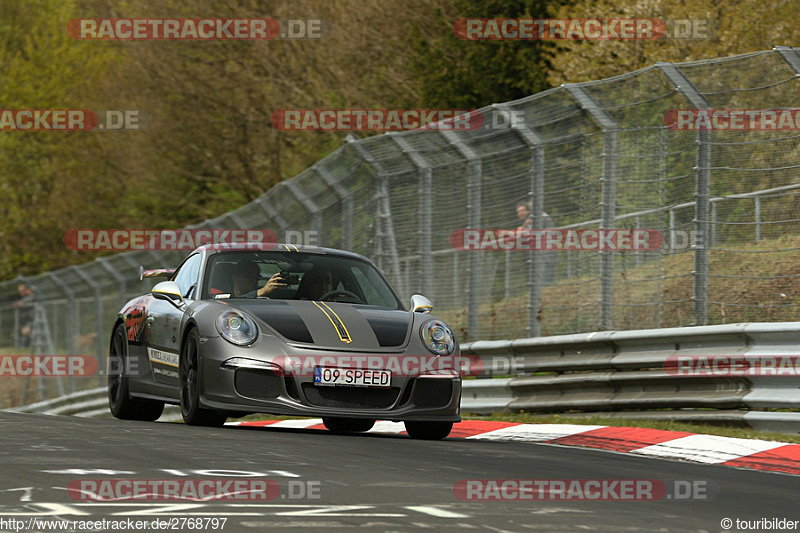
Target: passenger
x=245 y=281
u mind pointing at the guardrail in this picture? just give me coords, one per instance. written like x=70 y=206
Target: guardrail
x=612 y=374
x=92 y=403
x=624 y=374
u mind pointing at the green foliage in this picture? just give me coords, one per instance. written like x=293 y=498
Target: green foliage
x=211 y=148
x=469 y=74
x=43 y=68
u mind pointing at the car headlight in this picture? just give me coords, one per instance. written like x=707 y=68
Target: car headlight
x=237 y=327
x=438 y=338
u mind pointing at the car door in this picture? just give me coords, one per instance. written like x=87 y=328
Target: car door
x=164 y=320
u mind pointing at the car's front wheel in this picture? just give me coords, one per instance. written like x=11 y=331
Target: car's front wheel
x=348 y=425
x=189 y=377
x=428 y=430
x=120 y=403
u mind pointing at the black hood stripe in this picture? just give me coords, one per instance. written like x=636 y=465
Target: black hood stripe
x=338 y=325
x=281 y=317
x=390 y=327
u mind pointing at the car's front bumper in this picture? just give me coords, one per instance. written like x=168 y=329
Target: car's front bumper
x=254 y=388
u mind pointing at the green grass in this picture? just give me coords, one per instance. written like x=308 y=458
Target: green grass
x=737 y=280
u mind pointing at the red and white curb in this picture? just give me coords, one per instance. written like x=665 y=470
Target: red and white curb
x=707 y=449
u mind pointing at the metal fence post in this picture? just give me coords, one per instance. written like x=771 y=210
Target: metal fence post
x=507 y=276
x=425 y=213
x=701 y=224
x=71 y=316
x=609 y=194
x=790 y=56
x=475 y=170
x=347 y=205
x=15 y=335
x=311 y=207
x=98 y=321
x=384 y=215
x=121 y=285
x=672 y=235
x=272 y=214
x=535 y=274
x=456 y=276
x=702 y=192
x=757 y=215
x=713 y=229
x=638 y=254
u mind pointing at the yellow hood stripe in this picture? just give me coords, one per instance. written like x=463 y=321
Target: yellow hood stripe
x=338 y=325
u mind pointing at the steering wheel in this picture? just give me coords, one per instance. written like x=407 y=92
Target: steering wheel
x=333 y=294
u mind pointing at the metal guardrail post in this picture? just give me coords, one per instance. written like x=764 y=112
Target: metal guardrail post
x=425 y=215
x=475 y=168
x=385 y=223
x=535 y=274
x=609 y=194
x=347 y=205
x=702 y=192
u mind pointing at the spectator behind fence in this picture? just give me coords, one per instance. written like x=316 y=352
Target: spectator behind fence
x=525 y=214
x=25 y=306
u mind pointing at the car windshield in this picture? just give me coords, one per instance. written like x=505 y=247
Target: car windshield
x=296 y=276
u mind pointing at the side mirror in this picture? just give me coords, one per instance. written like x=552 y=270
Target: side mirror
x=420 y=304
x=169 y=291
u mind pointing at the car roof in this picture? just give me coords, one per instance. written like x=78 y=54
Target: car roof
x=211 y=249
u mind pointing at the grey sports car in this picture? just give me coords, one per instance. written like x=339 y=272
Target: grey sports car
x=288 y=330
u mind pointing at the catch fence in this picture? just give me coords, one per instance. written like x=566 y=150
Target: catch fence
x=588 y=155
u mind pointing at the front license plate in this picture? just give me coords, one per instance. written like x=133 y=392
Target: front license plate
x=352 y=377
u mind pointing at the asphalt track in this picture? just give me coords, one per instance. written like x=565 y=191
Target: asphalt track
x=364 y=482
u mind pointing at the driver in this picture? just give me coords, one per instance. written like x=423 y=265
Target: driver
x=316 y=283
x=245 y=281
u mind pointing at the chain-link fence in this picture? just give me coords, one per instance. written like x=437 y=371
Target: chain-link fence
x=589 y=155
